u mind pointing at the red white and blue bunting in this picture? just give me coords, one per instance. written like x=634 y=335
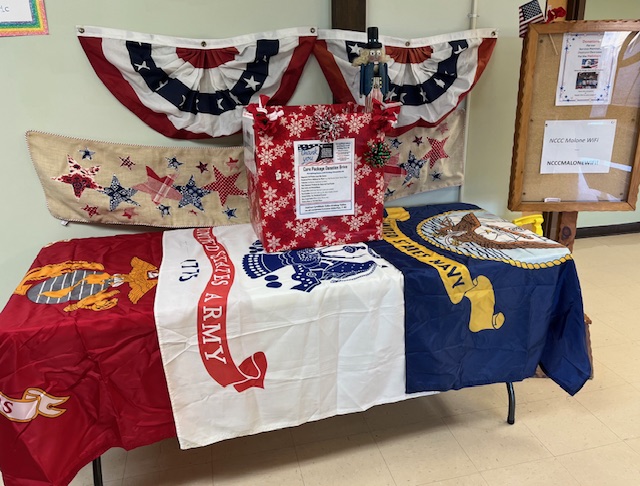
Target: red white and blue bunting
x=430 y=76
x=195 y=88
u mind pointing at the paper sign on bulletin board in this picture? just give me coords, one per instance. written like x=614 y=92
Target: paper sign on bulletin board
x=577 y=123
x=22 y=17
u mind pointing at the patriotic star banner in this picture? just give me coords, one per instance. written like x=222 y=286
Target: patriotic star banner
x=430 y=76
x=425 y=159
x=101 y=182
x=250 y=341
x=196 y=88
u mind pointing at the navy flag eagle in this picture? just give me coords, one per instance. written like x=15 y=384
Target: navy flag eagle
x=196 y=88
x=430 y=76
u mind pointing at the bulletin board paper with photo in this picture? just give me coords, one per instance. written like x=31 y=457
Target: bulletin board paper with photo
x=576 y=141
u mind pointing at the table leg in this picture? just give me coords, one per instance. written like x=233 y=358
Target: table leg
x=97 y=472
x=511 y=417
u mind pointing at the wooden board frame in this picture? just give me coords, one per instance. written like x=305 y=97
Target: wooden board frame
x=535 y=107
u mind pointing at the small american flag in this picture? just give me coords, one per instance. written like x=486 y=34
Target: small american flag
x=530 y=13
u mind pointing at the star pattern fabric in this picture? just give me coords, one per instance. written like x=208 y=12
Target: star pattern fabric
x=225 y=186
x=413 y=166
x=77 y=193
x=195 y=88
x=430 y=76
x=434 y=164
x=118 y=194
x=192 y=194
x=437 y=151
x=79 y=178
x=87 y=154
x=159 y=188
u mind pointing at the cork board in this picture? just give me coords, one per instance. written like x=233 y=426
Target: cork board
x=582 y=105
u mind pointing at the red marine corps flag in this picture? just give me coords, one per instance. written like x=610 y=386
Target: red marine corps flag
x=430 y=76
x=195 y=88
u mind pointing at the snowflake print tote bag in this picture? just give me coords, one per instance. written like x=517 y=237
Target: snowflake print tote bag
x=315 y=174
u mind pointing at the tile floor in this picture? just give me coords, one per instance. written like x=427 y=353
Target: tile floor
x=456 y=438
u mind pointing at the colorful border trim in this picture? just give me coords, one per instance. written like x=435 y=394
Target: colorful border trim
x=37 y=26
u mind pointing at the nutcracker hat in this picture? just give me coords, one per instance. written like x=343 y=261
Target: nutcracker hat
x=372 y=35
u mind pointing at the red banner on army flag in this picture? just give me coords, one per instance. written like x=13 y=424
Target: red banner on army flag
x=212 y=322
x=429 y=76
x=196 y=88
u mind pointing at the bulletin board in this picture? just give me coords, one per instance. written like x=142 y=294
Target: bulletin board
x=577 y=123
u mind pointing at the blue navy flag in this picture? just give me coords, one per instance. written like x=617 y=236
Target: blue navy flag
x=485 y=300
x=429 y=76
x=195 y=88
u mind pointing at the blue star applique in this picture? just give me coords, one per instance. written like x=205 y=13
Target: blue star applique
x=87 y=154
x=191 y=194
x=395 y=143
x=117 y=194
x=413 y=167
x=436 y=176
x=230 y=212
x=164 y=210
x=174 y=163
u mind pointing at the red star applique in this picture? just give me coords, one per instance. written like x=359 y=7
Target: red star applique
x=91 y=210
x=159 y=188
x=418 y=141
x=232 y=163
x=127 y=162
x=443 y=127
x=225 y=186
x=437 y=151
x=80 y=178
x=203 y=167
x=129 y=213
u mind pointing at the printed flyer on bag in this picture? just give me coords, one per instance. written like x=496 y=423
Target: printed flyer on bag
x=324 y=178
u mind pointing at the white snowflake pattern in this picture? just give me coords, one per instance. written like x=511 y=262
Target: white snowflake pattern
x=266 y=141
x=273 y=243
x=355 y=123
x=308 y=122
x=270 y=208
x=300 y=229
x=295 y=128
x=355 y=224
x=377 y=194
x=366 y=118
x=362 y=171
x=289 y=224
x=329 y=237
x=283 y=202
x=269 y=192
x=279 y=150
x=288 y=143
x=266 y=157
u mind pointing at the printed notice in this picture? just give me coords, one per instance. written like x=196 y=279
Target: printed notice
x=587 y=68
x=324 y=175
x=577 y=146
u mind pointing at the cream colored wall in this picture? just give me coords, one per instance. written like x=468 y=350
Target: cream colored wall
x=47 y=84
